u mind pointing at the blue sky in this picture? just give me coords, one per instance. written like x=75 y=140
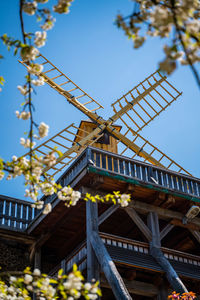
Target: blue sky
x=93 y=52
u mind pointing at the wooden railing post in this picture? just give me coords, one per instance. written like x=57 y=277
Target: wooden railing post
x=172 y=276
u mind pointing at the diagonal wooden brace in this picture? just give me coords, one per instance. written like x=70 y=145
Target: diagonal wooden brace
x=107 y=265
x=158 y=255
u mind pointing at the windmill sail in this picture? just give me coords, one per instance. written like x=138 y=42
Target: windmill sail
x=65 y=86
x=148 y=99
x=64 y=141
x=140 y=105
x=147 y=151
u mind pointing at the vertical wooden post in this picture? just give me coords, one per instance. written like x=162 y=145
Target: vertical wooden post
x=156 y=252
x=37 y=259
x=163 y=292
x=63 y=265
x=92 y=225
x=37 y=264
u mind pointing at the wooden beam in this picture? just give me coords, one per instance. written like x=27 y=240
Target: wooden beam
x=107 y=213
x=166 y=230
x=107 y=265
x=158 y=255
x=153 y=224
x=162 y=212
x=17 y=236
x=188 y=226
x=92 y=225
x=135 y=287
x=139 y=222
x=163 y=292
x=196 y=234
x=37 y=259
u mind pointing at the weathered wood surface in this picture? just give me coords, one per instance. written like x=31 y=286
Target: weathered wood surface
x=92 y=225
x=166 y=230
x=135 y=287
x=15 y=214
x=162 y=212
x=172 y=276
x=107 y=213
x=107 y=265
x=139 y=222
x=141 y=171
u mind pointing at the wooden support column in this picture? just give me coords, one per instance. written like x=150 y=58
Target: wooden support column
x=112 y=275
x=163 y=292
x=156 y=252
x=37 y=259
x=37 y=265
x=92 y=225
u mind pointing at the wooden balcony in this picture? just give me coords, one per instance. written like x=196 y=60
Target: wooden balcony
x=136 y=254
x=17 y=215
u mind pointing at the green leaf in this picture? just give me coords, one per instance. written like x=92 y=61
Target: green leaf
x=2 y=80
x=15 y=51
x=60 y=272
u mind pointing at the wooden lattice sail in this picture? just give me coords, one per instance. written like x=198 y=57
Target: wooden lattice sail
x=135 y=110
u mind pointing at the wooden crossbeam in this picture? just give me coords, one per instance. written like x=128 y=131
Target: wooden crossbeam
x=139 y=222
x=107 y=213
x=166 y=230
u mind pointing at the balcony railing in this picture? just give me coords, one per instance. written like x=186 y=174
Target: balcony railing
x=143 y=172
x=181 y=261
x=15 y=214
x=18 y=214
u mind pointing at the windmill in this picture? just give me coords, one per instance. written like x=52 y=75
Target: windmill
x=135 y=110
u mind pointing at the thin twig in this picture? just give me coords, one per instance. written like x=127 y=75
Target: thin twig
x=22 y=21
x=195 y=73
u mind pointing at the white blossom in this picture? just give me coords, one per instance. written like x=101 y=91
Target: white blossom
x=48 y=24
x=23 y=89
x=40 y=38
x=29 y=53
x=29 y=7
x=47 y=189
x=35 y=69
x=14 y=158
x=28 y=278
x=39 y=81
x=47 y=209
x=23 y=115
x=36 y=272
x=9 y=177
x=43 y=130
x=124 y=200
x=76 y=195
x=50 y=159
x=62 y=7
x=26 y=143
x=1 y=174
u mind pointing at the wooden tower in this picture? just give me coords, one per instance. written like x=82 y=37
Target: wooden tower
x=143 y=251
